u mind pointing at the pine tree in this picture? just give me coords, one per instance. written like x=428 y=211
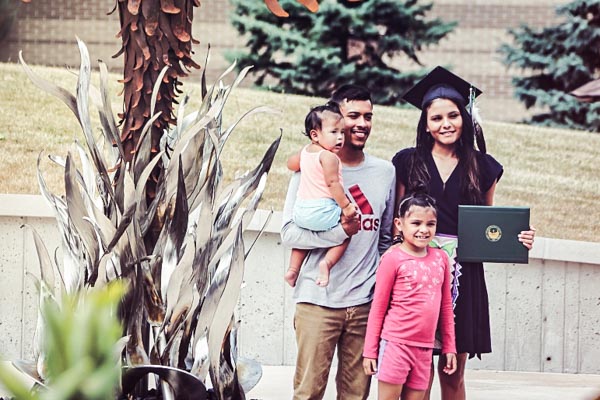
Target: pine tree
x=344 y=42
x=557 y=60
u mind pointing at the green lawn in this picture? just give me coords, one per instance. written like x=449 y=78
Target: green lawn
x=553 y=171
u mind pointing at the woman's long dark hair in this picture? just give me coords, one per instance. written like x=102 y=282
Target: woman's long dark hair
x=419 y=176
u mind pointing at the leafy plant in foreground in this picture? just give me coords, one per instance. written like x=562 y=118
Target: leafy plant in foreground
x=82 y=343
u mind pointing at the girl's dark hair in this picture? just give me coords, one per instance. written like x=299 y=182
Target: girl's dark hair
x=419 y=199
x=419 y=176
x=314 y=118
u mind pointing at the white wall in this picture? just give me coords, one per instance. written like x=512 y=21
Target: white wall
x=545 y=315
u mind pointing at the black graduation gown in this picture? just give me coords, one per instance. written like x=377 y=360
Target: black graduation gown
x=471 y=313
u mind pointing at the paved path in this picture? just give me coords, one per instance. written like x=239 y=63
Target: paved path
x=276 y=384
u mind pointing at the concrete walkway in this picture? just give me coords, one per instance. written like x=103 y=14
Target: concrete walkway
x=276 y=384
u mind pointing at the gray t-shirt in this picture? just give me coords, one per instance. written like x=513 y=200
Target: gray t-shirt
x=371 y=187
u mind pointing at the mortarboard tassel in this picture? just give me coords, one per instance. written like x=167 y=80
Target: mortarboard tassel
x=476 y=119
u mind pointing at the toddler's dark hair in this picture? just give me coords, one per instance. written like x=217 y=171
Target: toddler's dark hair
x=419 y=199
x=314 y=118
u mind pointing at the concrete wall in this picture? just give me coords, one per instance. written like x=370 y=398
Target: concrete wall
x=45 y=30
x=545 y=315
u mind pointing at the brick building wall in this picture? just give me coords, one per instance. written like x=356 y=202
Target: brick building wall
x=45 y=30
x=482 y=27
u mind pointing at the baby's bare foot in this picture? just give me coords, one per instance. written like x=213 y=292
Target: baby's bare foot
x=323 y=278
x=291 y=277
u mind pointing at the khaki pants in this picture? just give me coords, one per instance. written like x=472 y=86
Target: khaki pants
x=318 y=331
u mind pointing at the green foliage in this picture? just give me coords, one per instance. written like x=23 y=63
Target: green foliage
x=557 y=60
x=313 y=53
x=82 y=360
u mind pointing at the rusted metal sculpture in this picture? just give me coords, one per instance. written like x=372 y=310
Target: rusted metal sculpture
x=155 y=34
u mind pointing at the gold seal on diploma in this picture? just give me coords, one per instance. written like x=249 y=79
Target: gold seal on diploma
x=493 y=233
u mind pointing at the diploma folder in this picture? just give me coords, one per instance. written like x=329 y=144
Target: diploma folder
x=489 y=234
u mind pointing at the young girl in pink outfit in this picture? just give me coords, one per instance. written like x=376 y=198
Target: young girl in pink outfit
x=321 y=199
x=412 y=294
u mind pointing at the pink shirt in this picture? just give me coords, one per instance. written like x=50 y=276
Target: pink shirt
x=312 y=180
x=411 y=293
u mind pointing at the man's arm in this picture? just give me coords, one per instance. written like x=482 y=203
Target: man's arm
x=387 y=220
x=295 y=237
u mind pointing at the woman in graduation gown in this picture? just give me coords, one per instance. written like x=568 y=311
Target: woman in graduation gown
x=448 y=165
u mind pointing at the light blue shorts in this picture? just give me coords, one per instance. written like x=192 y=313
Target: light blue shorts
x=316 y=214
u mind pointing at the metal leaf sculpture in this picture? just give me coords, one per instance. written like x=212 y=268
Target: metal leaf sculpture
x=178 y=312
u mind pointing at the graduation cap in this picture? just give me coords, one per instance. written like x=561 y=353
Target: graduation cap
x=441 y=83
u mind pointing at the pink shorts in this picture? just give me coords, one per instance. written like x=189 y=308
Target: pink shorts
x=402 y=364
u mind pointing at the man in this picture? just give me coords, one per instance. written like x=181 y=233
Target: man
x=336 y=316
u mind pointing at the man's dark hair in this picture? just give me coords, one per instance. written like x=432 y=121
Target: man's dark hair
x=350 y=92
